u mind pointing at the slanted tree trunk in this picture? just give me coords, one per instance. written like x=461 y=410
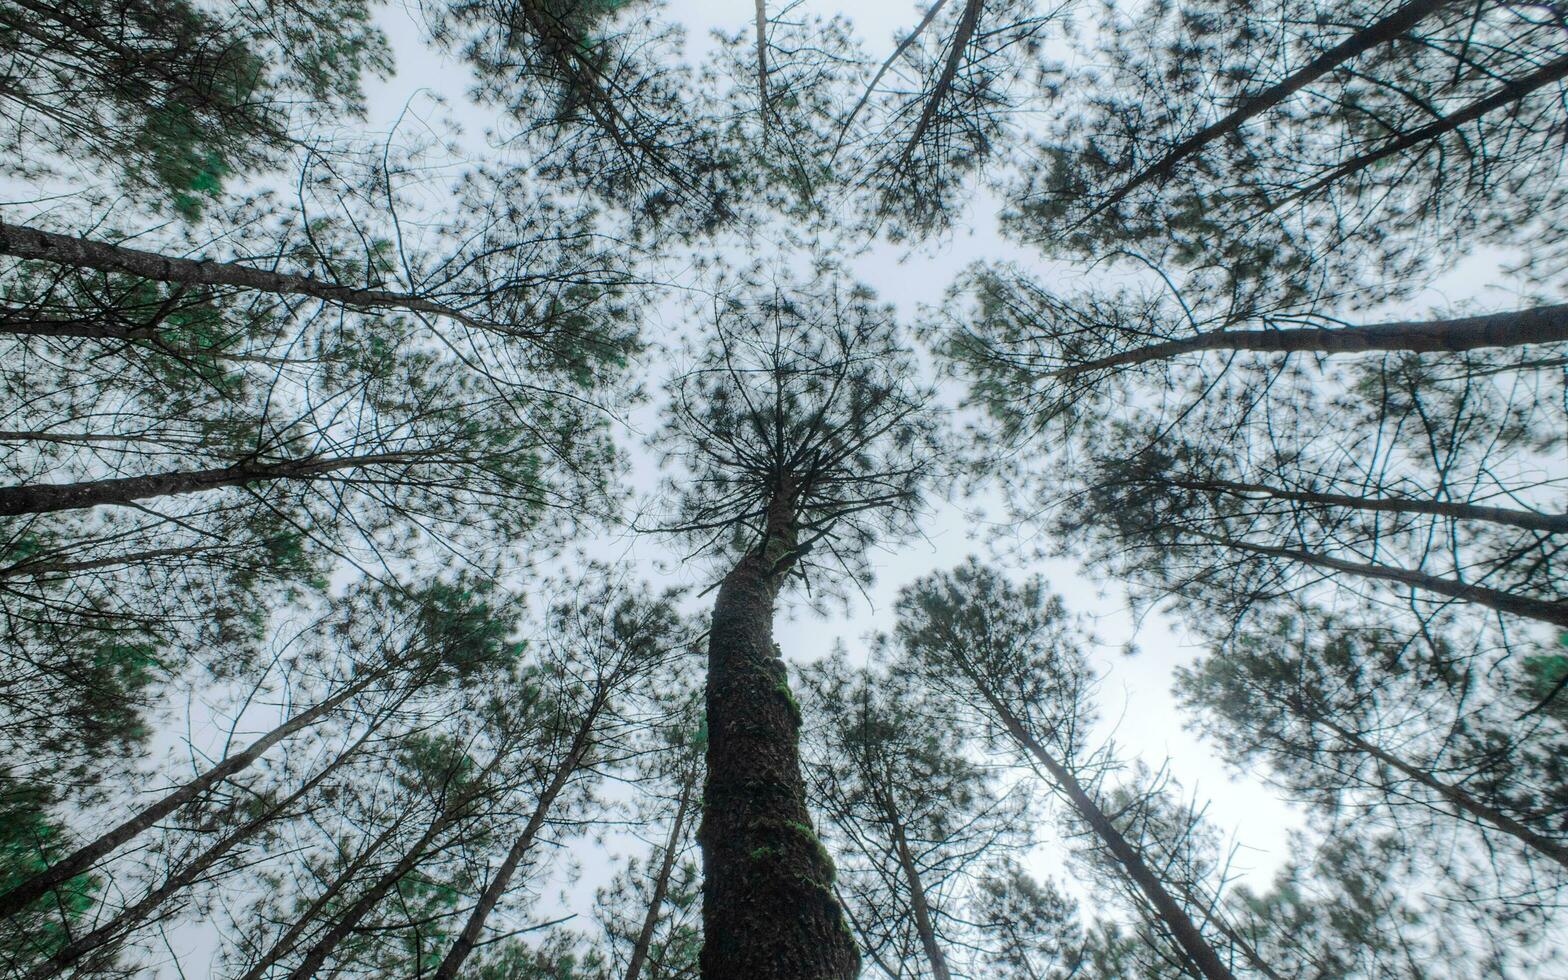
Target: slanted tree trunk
x=85 y=857
x=25 y=242
x=661 y=883
x=312 y=914
x=133 y=915
x=1515 y=328
x=1557 y=850
x=917 y=891
x=968 y=21
x=582 y=739
x=48 y=498
x=310 y=966
x=1509 y=92
x=768 y=911
x=40 y=567
x=1197 y=949
x=1547 y=611
x=1456 y=510
x=1364 y=40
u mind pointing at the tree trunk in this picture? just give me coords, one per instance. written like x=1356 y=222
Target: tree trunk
x=48 y=498
x=311 y=915
x=661 y=884
x=1554 y=612
x=1509 y=92
x=1541 y=325
x=1462 y=801
x=310 y=966
x=768 y=911
x=1188 y=936
x=1382 y=32
x=85 y=857
x=968 y=21
x=130 y=917
x=469 y=937
x=1529 y=520
x=917 y=892
x=24 y=242
x=29 y=567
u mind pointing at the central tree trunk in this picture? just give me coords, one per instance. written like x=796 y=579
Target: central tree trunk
x=768 y=911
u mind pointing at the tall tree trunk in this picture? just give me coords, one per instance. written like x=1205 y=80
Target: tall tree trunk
x=768 y=911
x=917 y=891
x=47 y=498
x=25 y=242
x=29 y=567
x=1541 y=325
x=1557 y=850
x=130 y=917
x=661 y=884
x=85 y=857
x=1508 y=93
x=312 y=913
x=1527 y=519
x=968 y=22
x=310 y=966
x=469 y=937
x=1547 y=611
x=1188 y=936
x=1364 y=40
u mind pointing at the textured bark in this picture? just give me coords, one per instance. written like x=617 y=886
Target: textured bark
x=769 y=911
x=48 y=498
x=1382 y=32
x=1542 y=325
x=1527 y=519
x=1547 y=611
x=24 y=242
x=469 y=937
x=85 y=857
x=1557 y=850
x=1188 y=936
x=661 y=884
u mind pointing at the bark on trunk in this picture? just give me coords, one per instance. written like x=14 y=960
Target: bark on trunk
x=85 y=857
x=1516 y=328
x=661 y=885
x=1193 y=945
x=1462 y=801
x=48 y=498
x=133 y=915
x=469 y=937
x=1382 y=32
x=24 y=242
x=1508 y=602
x=769 y=912
x=1529 y=520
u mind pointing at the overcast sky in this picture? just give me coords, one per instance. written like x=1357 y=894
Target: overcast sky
x=1135 y=700
x=1136 y=703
